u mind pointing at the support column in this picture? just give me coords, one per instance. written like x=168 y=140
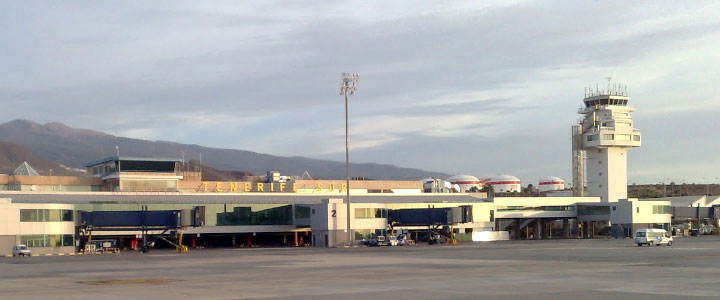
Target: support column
x=296 y=239
x=516 y=225
x=548 y=229
x=566 y=228
x=586 y=229
x=539 y=229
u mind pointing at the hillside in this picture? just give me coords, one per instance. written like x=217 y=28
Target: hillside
x=75 y=147
x=12 y=155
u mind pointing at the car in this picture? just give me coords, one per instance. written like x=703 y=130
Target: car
x=20 y=250
x=652 y=237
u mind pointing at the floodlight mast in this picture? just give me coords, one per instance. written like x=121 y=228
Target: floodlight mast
x=348 y=87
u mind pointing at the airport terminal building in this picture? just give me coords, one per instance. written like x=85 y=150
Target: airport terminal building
x=133 y=200
x=49 y=213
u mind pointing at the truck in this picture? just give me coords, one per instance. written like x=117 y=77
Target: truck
x=102 y=247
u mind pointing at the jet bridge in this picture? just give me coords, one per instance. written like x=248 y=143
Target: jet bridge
x=145 y=221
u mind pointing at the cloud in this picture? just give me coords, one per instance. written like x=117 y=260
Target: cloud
x=490 y=84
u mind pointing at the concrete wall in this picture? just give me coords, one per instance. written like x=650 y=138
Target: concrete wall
x=643 y=212
x=11 y=228
x=503 y=202
x=692 y=201
x=600 y=164
x=10 y=219
x=636 y=214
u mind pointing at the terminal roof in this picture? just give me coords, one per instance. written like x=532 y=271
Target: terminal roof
x=129 y=158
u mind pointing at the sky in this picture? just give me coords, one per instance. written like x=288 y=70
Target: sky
x=475 y=87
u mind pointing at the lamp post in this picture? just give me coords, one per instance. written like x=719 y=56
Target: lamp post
x=347 y=88
x=664 y=190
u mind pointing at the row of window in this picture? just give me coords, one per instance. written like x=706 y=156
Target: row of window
x=661 y=209
x=593 y=210
x=48 y=240
x=606 y=102
x=618 y=124
x=538 y=208
x=370 y=213
x=617 y=137
x=46 y=215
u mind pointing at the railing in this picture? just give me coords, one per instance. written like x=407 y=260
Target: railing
x=146 y=190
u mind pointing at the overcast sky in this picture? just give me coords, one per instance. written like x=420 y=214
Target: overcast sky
x=478 y=87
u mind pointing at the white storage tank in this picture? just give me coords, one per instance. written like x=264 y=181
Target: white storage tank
x=465 y=182
x=505 y=183
x=551 y=183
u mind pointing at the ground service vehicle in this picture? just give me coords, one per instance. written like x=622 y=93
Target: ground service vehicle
x=102 y=246
x=652 y=237
x=20 y=250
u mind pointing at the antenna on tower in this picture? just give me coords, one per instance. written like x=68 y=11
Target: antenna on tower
x=182 y=154
x=609 y=79
x=117 y=147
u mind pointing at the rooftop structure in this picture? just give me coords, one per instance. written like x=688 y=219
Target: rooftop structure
x=25 y=170
x=137 y=173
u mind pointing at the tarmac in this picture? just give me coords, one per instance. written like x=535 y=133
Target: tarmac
x=549 y=269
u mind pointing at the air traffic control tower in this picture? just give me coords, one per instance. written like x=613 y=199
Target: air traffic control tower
x=600 y=143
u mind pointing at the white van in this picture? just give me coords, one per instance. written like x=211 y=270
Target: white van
x=653 y=237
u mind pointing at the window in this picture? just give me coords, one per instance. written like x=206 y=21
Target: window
x=661 y=209
x=636 y=138
x=52 y=240
x=608 y=137
x=592 y=137
x=380 y=213
x=593 y=210
x=511 y=208
x=622 y=137
x=621 y=114
x=535 y=208
x=621 y=124
x=67 y=215
x=302 y=212
x=46 y=215
x=370 y=213
x=637 y=209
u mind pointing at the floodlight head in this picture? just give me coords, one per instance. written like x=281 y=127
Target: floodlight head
x=349 y=83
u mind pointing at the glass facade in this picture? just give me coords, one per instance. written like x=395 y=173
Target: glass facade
x=302 y=212
x=370 y=213
x=593 y=210
x=48 y=240
x=216 y=214
x=245 y=216
x=622 y=137
x=46 y=215
x=538 y=208
x=661 y=209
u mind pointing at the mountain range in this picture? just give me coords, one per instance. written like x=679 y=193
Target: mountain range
x=62 y=148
